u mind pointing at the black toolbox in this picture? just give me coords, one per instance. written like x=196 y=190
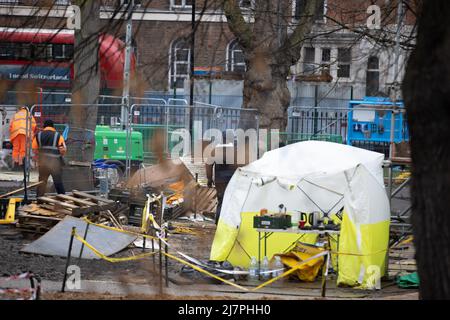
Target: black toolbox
x=272 y=221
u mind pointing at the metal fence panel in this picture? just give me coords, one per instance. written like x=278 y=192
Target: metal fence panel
x=318 y=123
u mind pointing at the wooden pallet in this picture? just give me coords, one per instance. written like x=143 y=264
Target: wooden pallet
x=76 y=203
x=49 y=210
x=36 y=223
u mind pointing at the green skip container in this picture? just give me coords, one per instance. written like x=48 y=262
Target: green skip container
x=110 y=143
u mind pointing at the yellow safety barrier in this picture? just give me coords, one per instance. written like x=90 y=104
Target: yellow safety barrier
x=113 y=260
x=10 y=215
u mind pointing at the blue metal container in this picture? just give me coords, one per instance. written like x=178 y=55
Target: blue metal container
x=369 y=120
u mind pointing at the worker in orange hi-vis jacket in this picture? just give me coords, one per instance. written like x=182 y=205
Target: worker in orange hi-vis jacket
x=18 y=134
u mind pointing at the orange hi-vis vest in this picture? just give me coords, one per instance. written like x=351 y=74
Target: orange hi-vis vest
x=19 y=124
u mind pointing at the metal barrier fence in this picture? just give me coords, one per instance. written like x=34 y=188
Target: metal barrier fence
x=151 y=115
x=333 y=124
x=318 y=123
x=151 y=118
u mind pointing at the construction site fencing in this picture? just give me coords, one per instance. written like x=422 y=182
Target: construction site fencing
x=325 y=124
x=169 y=118
x=332 y=124
x=62 y=115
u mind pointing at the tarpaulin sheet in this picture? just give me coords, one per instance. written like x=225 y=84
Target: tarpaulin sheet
x=56 y=241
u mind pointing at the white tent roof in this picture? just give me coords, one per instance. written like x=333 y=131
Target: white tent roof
x=306 y=158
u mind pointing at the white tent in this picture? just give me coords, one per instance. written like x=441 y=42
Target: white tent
x=311 y=176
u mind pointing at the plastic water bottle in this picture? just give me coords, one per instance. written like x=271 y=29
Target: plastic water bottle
x=113 y=176
x=253 y=269
x=265 y=274
x=278 y=267
x=96 y=167
x=103 y=178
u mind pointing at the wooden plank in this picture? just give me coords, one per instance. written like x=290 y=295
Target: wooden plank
x=211 y=207
x=89 y=196
x=83 y=202
x=86 y=210
x=6 y=195
x=35 y=209
x=39 y=217
x=57 y=202
x=52 y=207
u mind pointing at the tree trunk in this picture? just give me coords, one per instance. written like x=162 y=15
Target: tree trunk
x=86 y=84
x=270 y=51
x=265 y=89
x=427 y=95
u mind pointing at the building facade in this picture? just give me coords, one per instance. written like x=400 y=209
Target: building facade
x=337 y=46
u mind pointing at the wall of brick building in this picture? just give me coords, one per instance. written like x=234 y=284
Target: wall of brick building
x=154 y=37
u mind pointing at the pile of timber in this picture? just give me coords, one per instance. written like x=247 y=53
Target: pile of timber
x=49 y=210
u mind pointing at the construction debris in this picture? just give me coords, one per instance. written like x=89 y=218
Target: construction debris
x=48 y=211
x=402 y=258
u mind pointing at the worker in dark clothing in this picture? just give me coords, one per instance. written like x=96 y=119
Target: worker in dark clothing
x=221 y=173
x=50 y=148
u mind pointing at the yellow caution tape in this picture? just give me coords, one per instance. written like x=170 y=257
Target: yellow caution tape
x=120 y=230
x=357 y=254
x=294 y=268
x=113 y=260
x=288 y=272
x=204 y=271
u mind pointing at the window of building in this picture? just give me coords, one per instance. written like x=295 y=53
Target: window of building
x=9 y=1
x=344 y=62
x=6 y=50
x=41 y=52
x=326 y=55
x=36 y=51
x=373 y=76
x=16 y=51
x=125 y=2
x=299 y=9
x=309 y=60
x=180 y=57
x=62 y=52
x=325 y=60
x=181 y=4
x=236 y=60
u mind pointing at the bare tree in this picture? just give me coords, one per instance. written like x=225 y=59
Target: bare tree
x=270 y=49
x=86 y=82
x=427 y=95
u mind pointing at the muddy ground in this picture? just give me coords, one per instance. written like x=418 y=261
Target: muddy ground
x=12 y=261
x=146 y=273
